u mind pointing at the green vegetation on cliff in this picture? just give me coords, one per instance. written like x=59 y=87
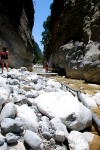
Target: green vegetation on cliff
x=38 y=57
x=46 y=37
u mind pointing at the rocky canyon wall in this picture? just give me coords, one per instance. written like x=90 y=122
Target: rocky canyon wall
x=16 y=22
x=75 y=42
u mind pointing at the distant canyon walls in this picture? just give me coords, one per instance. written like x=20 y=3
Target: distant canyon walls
x=75 y=42
x=16 y=22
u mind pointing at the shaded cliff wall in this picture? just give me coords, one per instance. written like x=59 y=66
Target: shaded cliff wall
x=16 y=22
x=75 y=43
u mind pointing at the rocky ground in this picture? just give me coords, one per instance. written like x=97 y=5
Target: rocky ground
x=29 y=108
x=84 y=87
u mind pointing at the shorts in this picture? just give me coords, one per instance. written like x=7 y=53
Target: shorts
x=46 y=68
x=4 y=60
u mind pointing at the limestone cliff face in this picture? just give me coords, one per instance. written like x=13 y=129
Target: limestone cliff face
x=16 y=22
x=75 y=43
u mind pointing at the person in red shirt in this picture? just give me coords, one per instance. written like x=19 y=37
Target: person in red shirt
x=46 y=67
x=4 y=58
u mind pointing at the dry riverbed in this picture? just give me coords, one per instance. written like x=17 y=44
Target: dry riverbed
x=86 y=88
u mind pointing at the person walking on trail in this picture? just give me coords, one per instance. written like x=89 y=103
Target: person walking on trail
x=46 y=67
x=4 y=58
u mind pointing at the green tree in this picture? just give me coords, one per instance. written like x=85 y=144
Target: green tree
x=46 y=34
x=38 y=56
x=46 y=37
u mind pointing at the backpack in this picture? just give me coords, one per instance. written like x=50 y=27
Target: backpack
x=4 y=55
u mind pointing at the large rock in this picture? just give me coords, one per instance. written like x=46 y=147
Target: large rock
x=78 y=61
x=66 y=107
x=8 y=111
x=28 y=117
x=32 y=139
x=11 y=125
x=92 y=63
x=70 y=58
x=77 y=141
x=57 y=125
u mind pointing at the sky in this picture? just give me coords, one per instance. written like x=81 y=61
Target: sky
x=42 y=11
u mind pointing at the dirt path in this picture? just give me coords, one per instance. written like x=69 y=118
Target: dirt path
x=38 y=69
x=81 y=85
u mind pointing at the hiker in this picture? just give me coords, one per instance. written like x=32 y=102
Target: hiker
x=4 y=58
x=46 y=67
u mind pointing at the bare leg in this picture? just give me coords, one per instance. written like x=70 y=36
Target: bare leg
x=2 y=66
x=7 y=66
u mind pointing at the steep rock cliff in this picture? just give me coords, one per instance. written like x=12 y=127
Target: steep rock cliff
x=75 y=43
x=16 y=22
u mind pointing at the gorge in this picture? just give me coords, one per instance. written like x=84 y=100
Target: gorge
x=74 y=45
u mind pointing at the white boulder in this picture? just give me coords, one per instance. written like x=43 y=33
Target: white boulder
x=28 y=117
x=77 y=141
x=67 y=107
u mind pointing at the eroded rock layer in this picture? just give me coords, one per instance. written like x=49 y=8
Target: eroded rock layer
x=75 y=43
x=16 y=22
